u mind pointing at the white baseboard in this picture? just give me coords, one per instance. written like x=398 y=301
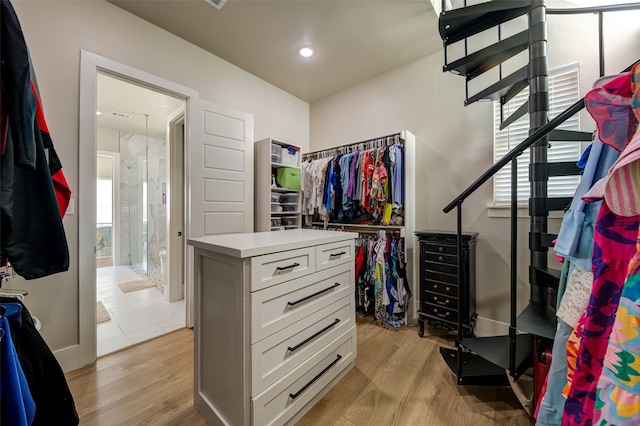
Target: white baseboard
x=68 y=358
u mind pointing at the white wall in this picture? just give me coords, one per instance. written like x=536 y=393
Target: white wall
x=454 y=143
x=56 y=32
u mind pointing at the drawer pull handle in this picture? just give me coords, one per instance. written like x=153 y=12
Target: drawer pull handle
x=440 y=249
x=337 y=254
x=446 y=314
x=440 y=258
x=304 y=388
x=284 y=268
x=308 y=339
x=313 y=295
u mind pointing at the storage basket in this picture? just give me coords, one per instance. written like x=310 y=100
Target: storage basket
x=289 y=156
x=288 y=177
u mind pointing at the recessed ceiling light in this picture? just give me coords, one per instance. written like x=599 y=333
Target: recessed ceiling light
x=306 y=51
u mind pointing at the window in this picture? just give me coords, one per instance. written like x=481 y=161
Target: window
x=563 y=92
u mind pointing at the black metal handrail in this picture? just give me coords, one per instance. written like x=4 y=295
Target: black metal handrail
x=533 y=138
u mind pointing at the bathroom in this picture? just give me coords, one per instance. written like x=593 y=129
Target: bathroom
x=132 y=215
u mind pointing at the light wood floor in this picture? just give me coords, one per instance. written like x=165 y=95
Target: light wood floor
x=399 y=379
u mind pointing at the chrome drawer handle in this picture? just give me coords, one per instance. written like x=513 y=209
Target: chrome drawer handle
x=440 y=249
x=440 y=258
x=313 y=295
x=308 y=339
x=284 y=268
x=337 y=254
x=304 y=388
x=446 y=314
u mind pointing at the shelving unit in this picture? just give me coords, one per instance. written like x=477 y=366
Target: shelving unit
x=276 y=208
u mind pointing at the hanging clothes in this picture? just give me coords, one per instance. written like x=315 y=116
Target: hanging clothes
x=33 y=191
x=614 y=247
x=17 y=403
x=44 y=376
x=364 y=186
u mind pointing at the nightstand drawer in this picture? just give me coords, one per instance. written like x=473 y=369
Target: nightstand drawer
x=441 y=300
x=440 y=312
x=273 y=357
x=440 y=267
x=277 y=307
x=442 y=288
x=280 y=402
x=441 y=248
x=283 y=266
x=450 y=259
x=329 y=255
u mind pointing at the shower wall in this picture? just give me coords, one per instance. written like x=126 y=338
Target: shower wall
x=142 y=160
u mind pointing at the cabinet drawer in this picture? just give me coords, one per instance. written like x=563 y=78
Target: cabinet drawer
x=277 y=307
x=441 y=258
x=441 y=276
x=441 y=248
x=441 y=300
x=280 y=402
x=276 y=268
x=441 y=267
x=442 y=288
x=329 y=255
x=273 y=357
x=440 y=312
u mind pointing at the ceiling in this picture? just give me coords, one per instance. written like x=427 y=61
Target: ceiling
x=354 y=40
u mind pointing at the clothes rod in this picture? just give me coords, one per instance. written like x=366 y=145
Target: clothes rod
x=352 y=147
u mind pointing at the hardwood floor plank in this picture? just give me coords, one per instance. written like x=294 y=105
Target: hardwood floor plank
x=399 y=379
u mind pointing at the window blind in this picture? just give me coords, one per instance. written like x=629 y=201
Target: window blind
x=563 y=92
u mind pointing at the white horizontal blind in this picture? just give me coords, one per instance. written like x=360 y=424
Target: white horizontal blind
x=563 y=92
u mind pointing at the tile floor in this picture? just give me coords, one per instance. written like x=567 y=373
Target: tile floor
x=135 y=316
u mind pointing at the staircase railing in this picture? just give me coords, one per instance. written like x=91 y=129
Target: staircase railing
x=511 y=156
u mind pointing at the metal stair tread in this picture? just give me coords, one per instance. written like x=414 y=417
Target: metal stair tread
x=485 y=59
x=497 y=351
x=505 y=88
x=476 y=371
x=570 y=136
x=538 y=319
x=458 y=24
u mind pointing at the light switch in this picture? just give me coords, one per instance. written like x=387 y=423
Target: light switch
x=70 y=207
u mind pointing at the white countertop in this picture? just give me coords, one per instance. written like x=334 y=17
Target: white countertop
x=259 y=243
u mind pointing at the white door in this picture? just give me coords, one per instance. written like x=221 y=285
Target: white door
x=220 y=175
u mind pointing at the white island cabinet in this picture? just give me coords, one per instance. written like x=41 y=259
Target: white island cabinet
x=274 y=323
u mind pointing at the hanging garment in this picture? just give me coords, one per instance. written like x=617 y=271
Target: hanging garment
x=618 y=391
x=575 y=238
x=614 y=246
x=17 y=406
x=47 y=384
x=33 y=191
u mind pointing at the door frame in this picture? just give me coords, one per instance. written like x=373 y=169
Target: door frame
x=90 y=65
x=176 y=226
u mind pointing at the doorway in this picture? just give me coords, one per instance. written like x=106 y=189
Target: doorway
x=133 y=203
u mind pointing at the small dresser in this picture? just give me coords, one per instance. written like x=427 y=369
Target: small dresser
x=445 y=297
x=274 y=323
